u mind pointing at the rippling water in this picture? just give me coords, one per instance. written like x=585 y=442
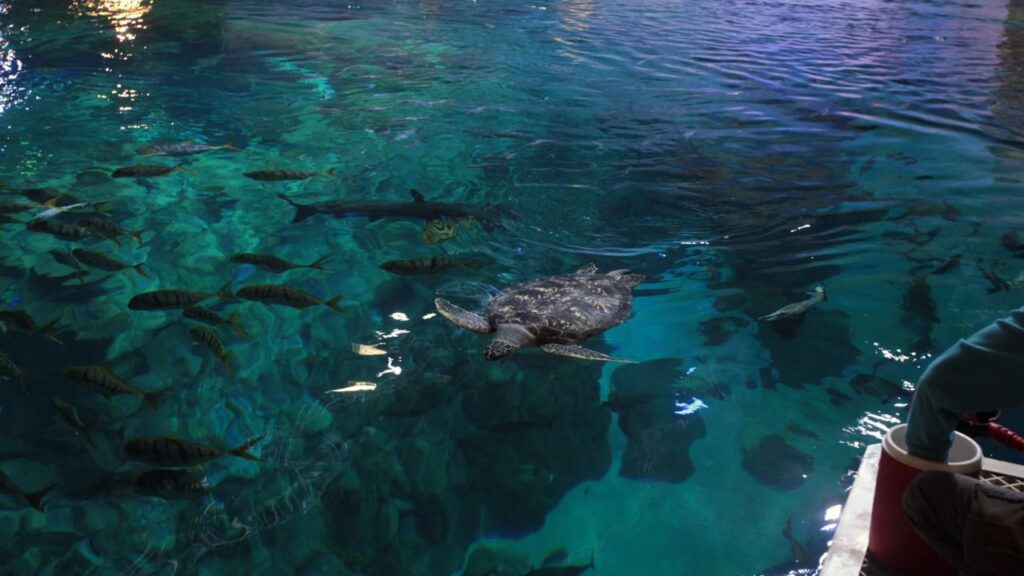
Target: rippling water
x=738 y=154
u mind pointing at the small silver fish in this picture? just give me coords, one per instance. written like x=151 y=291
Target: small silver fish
x=55 y=210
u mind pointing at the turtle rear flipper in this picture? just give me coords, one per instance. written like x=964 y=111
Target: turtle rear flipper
x=462 y=318
x=574 y=351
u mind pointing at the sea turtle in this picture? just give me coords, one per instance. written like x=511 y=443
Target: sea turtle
x=556 y=313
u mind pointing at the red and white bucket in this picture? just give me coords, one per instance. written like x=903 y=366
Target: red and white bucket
x=893 y=540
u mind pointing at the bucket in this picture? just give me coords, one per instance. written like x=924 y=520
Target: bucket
x=892 y=539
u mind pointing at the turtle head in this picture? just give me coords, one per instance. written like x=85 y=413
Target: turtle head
x=509 y=338
x=500 y=348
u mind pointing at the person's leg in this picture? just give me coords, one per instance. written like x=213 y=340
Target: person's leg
x=994 y=533
x=937 y=505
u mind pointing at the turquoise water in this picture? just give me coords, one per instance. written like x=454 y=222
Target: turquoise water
x=738 y=154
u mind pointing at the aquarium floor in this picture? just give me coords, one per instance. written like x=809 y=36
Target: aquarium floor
x=847 y=556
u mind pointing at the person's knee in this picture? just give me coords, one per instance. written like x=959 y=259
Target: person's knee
x=927 y=492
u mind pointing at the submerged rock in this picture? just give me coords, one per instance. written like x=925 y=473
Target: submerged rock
x=662 y=453
x=775 y=463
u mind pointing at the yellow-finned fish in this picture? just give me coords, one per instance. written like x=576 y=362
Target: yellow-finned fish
x=106 y=383
x=209 y=338
x=420 y=266
x=108 y=229
x=170 y=299
x=275 y=264
x=210 y=317
x=179 y=452
x=286 y=296
x=101 y=261
x=21 y=320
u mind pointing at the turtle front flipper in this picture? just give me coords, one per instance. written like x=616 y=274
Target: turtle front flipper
x=574 y=351
x=462 y=318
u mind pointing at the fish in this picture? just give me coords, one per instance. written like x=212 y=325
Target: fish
x=173 y=483
x=35 y=499
x=419 y=266
x=951 y=264
x=556 y=556
x=440 y=230
x=70 y=415
x=52 y=211
x=108 y=229
x=798 y=429
x=53 y=197
x=106 y=383
x=920 y=313
x=9 y=369
x=21 y=320
x=564 y=570
x=210 y=317
x=996 y=282
x=171 y=299
x=872 y=385
x=275 y=264
x=66 y=258
x=178 y=452
x=837 y=397
x=144 y=171
x=797 y=308
x=186 y=148
x=61 y=230
x=417 y=210
x=209 y=338
x=795 y=548
x=1011 y=241
x=103 y=262
x=286 y=296
x=12 y=207
x=282 y=175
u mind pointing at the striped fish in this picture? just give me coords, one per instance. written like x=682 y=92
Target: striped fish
x=282 y=175
x=210 y=317
x=275 y=264
x=171 y=299
x=108 y=229
x=60 y=230
x=179 y=452
x=103 y=262
x=285 y=296
x=12 y=207
x=35 y=499
x=209 y=338
x=21 y=320
x=106 y=383
x=419 y=266
x=186 y=148
x=144 y=171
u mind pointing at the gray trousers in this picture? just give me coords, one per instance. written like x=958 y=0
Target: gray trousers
x=977 y=526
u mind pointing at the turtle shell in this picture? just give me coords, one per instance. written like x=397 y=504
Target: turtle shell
x=568 y=308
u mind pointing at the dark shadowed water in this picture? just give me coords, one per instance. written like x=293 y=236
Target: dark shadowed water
x=738 y=154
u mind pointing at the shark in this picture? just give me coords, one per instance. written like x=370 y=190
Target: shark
x=419 y=209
